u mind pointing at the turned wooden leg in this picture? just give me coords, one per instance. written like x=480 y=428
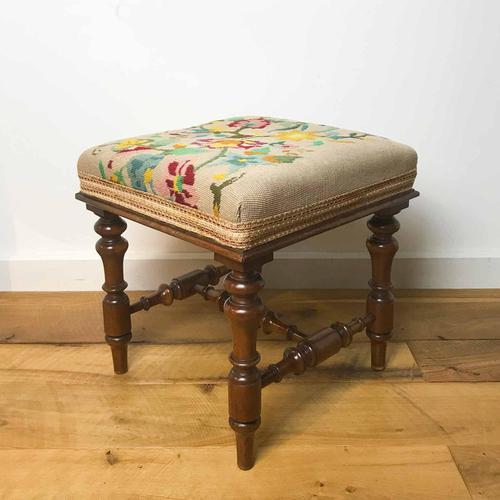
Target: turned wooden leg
x=244 y=311
x=382 y=247
x=116 y=306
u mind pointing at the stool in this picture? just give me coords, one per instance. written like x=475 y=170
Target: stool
x=243 y=188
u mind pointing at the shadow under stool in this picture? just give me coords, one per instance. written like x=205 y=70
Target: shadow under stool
x=243 y=188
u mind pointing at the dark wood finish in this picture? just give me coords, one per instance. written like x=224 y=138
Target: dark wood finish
x=243 y=307
x=181 y=288
x=164 y=295
x=313 y=349
x=382 y=247
x=260 y=251
x=244 y=310
x=272 y=324
x=116 y=306
x=212 y=294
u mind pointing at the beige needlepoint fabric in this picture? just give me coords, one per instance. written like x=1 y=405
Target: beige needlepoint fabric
x=244 y=181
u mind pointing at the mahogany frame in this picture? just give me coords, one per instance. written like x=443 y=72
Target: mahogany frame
x=242 y=306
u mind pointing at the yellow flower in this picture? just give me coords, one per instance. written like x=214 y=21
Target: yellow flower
x=148 y=175
x=219 y=176
x=128 y=143
x=179 y=146
x=296 y=135
x=225 y=143
x=271 y=159
x=217 y=126
x=113 y=178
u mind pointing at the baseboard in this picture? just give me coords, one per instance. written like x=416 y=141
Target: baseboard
x=287 y=271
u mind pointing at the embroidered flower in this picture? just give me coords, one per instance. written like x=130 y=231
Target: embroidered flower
x=280 y=158
x=131 y=145
x=250 y=144
x=148 y=175
x=251 y=123
x=215 y=143
x=215 y=127
x=240 y=161
x=297 y=135
x=258 y=151
x=180 y=182
x=222 y=149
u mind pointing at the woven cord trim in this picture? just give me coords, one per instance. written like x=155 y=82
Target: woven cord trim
x=240 y=235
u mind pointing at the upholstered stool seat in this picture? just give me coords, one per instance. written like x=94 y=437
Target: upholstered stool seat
x=243 y=188
x=244 y=181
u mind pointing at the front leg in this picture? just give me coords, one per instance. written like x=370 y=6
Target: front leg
x=382 y=247
x=116 y=306
x=244 y=310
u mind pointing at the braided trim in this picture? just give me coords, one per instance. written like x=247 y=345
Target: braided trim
x=240 y=235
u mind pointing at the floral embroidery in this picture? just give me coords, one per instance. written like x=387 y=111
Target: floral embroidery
x=217 y=191
x=214 y=143
x=148 y=176
x=137 y=169
x=296 y=135
x=167 y=164
x=251 y=123
x=281 y=159
x=180 y=182
x=131 y=145
x=238 y=161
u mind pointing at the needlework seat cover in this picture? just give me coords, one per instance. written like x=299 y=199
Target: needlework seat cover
x=244 y=181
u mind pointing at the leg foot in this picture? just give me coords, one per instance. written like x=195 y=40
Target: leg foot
x=378 y=355
x=382 y=247
x=245 y=444
x=119 y=350
x=116 y=306
x=244 y=311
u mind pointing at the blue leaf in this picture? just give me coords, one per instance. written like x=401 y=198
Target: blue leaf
x=138 y=165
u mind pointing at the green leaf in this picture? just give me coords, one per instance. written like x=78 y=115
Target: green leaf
x=119 y=176
x=263 y=150
x=157 y=141
x=101 y=170
x=285 y=159
x=185 y=151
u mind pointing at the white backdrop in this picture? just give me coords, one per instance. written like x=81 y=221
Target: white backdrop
x=79 y=72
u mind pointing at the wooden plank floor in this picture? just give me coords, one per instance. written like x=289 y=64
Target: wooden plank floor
x=76 y=316
x=426 y=428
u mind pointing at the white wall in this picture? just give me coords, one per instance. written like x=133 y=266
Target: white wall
x=79 y=72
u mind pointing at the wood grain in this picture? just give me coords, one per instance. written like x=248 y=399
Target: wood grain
x=165 y=364
x=480 y=469
x=195 y=473
x=76 y=316
x=71 y=428
x=40 y=413
x=458 y=360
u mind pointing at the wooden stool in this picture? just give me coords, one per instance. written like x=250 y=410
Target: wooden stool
x=243 y=188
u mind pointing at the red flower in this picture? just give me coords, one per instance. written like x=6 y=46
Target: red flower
x=180 y=182
x=219 y=143
x=251 y=123
x=135 y=148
